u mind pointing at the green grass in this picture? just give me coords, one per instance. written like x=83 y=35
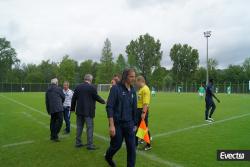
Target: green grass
x=168 y=112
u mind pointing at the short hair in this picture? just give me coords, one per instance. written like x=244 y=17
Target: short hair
x=54 y=81
x=126 y=73
x=117 y=75
x=88 y=77
x=211 y=80
x=140 y=78
x=116 y=78
x=66 y=82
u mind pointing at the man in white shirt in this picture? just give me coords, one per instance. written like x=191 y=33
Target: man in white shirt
x=66 y=105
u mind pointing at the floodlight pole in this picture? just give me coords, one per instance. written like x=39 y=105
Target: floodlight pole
x=207 y=34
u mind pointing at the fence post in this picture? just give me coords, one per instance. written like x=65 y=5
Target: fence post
x=238 y=85
x=186 y=86
x=243 y=90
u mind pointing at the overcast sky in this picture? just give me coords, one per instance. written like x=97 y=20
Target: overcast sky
x=49 y=29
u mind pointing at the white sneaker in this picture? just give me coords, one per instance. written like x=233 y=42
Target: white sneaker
x=211 y=119
x=146 y=148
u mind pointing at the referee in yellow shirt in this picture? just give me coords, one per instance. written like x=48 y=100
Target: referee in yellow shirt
x=143 y=102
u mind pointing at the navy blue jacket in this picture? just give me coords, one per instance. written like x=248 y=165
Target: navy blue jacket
x=84 y=99
x=122 y=104
x=54 y=99
x=209 y=92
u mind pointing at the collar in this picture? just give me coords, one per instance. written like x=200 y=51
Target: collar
x=124 y=87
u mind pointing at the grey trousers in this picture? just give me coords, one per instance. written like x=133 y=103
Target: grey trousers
x=80 y=120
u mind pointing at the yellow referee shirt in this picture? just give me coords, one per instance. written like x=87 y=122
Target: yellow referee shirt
x=143 y=96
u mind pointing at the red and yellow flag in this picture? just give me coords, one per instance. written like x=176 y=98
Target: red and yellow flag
x=142 y=132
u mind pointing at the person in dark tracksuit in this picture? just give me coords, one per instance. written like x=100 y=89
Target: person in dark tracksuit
x=121 y=111
x=210 y=102
x=54 y=105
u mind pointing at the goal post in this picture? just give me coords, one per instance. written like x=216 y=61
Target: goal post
x=103 y=87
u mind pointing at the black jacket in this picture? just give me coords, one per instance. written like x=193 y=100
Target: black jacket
x=54 y=98
x=84 y=99
x=122 y=104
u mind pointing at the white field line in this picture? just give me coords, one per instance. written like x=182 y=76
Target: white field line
x=149 y=156
x=199 y=126
x=35 y=120
x=17 y=144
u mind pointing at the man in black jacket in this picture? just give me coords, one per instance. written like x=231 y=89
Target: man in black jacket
x=84 y=99
x=54 y=104
x=121 y=111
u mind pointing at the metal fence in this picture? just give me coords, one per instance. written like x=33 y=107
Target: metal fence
x=240 y=87
x=243 y=87
x=25 y=87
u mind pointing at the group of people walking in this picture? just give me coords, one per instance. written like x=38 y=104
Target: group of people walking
x=125 y=110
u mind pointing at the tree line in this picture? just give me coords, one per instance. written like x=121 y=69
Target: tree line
x=144 y=54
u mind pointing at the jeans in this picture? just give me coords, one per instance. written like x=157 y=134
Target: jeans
x=66 y=115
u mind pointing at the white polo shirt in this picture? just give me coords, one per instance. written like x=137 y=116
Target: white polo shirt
x=68 y=96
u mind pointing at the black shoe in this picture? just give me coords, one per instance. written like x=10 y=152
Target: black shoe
x=66 y=131
x=80 y=145
x=55 y=139
x=110 y=161
x=92 y=148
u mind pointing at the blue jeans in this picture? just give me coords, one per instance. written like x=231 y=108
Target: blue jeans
x=66 y=115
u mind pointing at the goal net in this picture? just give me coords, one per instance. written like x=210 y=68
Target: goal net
x=103 y=87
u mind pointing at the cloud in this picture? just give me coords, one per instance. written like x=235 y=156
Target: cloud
x=50 y=29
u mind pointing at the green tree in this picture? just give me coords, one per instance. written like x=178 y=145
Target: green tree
x=185 y=62
x=67 y=70
x=212 y=64
x=32 y=74
x=200 y=75
x=8 y=58
x=144 y=54
x=120 y=64
x=246 y=67
x=106 y=67
x=88 y=67
x=235 y=74
x=158 y=78
x=16 y=75
x=48 y=70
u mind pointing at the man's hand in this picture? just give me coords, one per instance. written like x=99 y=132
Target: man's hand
x=112 y=130
x=143 y=115
x=135 y=128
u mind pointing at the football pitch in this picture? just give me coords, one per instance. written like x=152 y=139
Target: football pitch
x=181 y=137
